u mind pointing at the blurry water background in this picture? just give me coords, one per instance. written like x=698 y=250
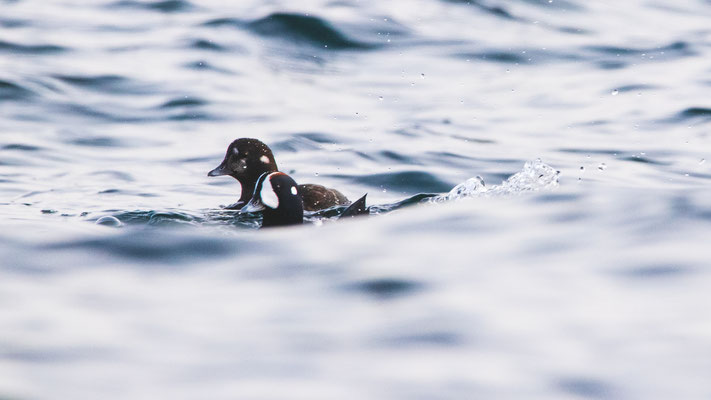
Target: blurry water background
x=589 y=284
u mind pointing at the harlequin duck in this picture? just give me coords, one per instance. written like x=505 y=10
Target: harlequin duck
x=247 y=159
x=276 y=195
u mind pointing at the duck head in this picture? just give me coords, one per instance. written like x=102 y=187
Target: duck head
x=246 y=160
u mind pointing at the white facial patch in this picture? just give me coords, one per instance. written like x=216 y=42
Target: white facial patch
x=293 y=190
x=264 y=159
x=269 y=197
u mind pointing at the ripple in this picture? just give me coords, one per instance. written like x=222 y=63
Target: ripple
x=108 y=141
x=231 y=22
x=643 y=160
x=21 y=147
x=385 y=288
x=587 y=388
x=304 y=141
x=693 y=113
x=521 y=56
x=634 y=88
x=112 y=84
x=659 y=271
x=679 y=47
x=609 y=152
x=203 y=44
x=436 y=338
x=166 y=6
x=405 y=181
x=157 y=246
x=193 y=116
x=620 y=57
x=307 y=29
x=13 y=23
x=113 y=176
x=183 y=102
x=397 y=157
x=202 y=65
x=496 y=11
x=30 y=48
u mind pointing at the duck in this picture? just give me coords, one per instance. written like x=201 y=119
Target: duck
x=356 y=208
x=276 y=195
x=247 y=159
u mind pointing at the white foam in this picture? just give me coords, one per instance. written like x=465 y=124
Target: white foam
x=535 y=175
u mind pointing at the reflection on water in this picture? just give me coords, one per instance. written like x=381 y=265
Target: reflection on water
x=480 y=272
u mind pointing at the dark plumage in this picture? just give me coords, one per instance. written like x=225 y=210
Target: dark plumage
x=358 y=207
x=247 y=159
x=276 y=196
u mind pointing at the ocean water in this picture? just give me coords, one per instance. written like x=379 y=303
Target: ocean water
x=561 y=250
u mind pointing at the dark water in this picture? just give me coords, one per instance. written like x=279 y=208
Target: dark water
x=121 y=277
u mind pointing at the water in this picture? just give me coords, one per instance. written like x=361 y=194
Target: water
x=515 y=281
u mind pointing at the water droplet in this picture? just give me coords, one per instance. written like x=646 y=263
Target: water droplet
x=615 y=92
x=422 y=76
x=582 y=168
x=602 y=167
x=315 y=173
x=380 y=98
x=702 y=161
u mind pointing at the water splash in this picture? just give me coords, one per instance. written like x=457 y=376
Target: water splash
x=535 y=175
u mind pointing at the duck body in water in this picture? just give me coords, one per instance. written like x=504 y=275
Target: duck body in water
x=247 y=159
x=276 y=195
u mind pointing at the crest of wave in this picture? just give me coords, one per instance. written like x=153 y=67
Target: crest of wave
x=536 y=175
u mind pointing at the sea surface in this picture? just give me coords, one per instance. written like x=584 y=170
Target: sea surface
x=539 y=173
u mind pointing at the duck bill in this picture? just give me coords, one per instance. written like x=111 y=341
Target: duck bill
x=219 y=171
x=254 y=205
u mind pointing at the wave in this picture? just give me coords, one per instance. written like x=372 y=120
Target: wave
x=12 y=91
x=305 y=29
